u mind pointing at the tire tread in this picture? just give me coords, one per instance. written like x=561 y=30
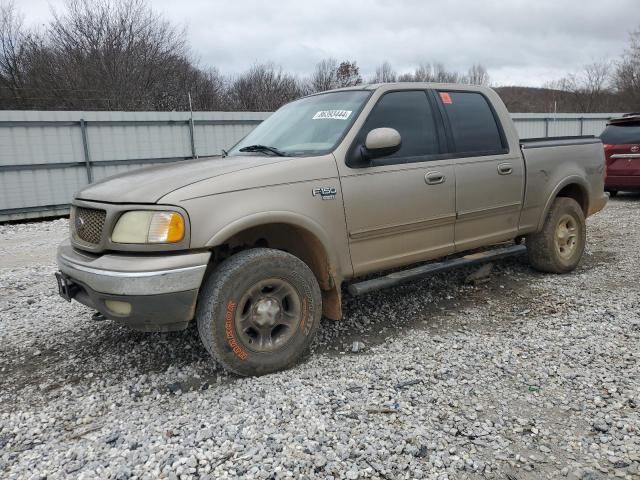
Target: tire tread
x=211 y=294
x=540 y=245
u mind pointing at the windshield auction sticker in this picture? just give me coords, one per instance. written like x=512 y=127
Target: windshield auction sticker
x=332 y=115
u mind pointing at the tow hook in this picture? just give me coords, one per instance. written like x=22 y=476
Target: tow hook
x=98 y=317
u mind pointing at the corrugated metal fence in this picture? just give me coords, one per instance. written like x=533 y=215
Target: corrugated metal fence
x=47 y=156
x=537 y=125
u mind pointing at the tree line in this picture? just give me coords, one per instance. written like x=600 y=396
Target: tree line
x=121 y=55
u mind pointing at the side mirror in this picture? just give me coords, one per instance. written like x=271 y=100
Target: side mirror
x=381 y=142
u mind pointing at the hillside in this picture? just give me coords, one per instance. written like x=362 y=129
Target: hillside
x=546 y=100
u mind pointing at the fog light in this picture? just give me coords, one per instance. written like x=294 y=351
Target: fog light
x=118 y=308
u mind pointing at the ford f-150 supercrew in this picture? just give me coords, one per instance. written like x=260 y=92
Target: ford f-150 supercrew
x=256 y=245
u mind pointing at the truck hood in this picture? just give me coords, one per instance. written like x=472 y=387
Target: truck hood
x=150 y=184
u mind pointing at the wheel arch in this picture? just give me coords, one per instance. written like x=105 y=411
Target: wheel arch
x=293 y=233
x=572 y=187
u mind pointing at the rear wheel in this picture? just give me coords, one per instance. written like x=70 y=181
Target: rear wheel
x=612 y=193
x=259 y=311
x=559 y=246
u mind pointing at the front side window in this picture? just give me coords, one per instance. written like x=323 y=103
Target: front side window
x=309 y=126
x=473 y=125
x=409 y=112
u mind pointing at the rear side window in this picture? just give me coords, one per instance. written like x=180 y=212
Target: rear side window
x=473 y=125
x=621 y=134
x=410 y=113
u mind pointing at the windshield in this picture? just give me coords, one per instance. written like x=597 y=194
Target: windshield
x=309 y=126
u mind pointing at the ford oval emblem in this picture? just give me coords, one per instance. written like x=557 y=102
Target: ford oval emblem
x=635 y=149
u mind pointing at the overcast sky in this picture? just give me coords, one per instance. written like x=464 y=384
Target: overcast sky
x=523 y=42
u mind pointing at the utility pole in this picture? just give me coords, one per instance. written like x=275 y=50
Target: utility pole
x=192 y=129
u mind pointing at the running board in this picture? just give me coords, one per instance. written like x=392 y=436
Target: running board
x=396 y=278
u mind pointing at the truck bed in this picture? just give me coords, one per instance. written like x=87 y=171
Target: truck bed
x=552 y=162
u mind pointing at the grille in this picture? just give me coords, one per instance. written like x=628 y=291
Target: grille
x=88 y=224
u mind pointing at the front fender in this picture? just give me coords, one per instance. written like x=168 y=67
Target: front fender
x=286 y=217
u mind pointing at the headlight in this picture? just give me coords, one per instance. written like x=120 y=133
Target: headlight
x=141 y=226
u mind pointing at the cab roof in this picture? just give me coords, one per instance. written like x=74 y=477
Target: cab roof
x=408 y=86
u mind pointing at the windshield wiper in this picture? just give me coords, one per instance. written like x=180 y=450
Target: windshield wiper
x=263 y=148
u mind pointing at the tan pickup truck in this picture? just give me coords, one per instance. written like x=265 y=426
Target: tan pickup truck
x=257 y=245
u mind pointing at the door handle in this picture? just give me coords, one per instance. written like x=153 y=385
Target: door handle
x=434 y=178
x=505 y=169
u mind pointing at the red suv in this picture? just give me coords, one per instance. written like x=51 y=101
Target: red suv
x=621 y=141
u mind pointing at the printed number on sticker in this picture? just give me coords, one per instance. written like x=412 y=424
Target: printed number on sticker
x=332 y=115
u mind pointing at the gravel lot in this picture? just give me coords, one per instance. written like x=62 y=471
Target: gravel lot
x=526 y=376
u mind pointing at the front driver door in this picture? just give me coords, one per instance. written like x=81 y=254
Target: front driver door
x=400 y=209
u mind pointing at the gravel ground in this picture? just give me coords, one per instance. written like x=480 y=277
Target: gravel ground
x=525 y=376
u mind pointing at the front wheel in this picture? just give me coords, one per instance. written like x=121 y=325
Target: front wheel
x=559 y=246
x=259 y=311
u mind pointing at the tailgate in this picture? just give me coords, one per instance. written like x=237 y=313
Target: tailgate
x=623 y=160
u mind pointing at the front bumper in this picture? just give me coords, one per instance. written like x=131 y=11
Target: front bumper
x=160 y=290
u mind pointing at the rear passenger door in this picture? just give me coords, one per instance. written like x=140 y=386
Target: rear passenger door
x=400 y=208
x=489 y=178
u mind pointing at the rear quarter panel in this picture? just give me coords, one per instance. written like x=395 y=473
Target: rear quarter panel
x=550 y=169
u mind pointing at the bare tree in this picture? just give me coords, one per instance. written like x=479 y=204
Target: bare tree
x=440 y=74
x=348 y=74
x=424 y=73
x=14 y=42
x=627 y=76
x=115 y=54
x=328 y=74
x=264 y=88
x=477 y=75
x=325 y=75
x=430 y=72
x=213 y=91
x=384 y=74
x=596 y=79
x=208 y=90
x=588 y=89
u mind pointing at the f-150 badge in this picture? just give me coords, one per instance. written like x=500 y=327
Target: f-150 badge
x=326 y=193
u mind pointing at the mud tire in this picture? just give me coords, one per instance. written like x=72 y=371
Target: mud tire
x=218 y=307
x=543 y=248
